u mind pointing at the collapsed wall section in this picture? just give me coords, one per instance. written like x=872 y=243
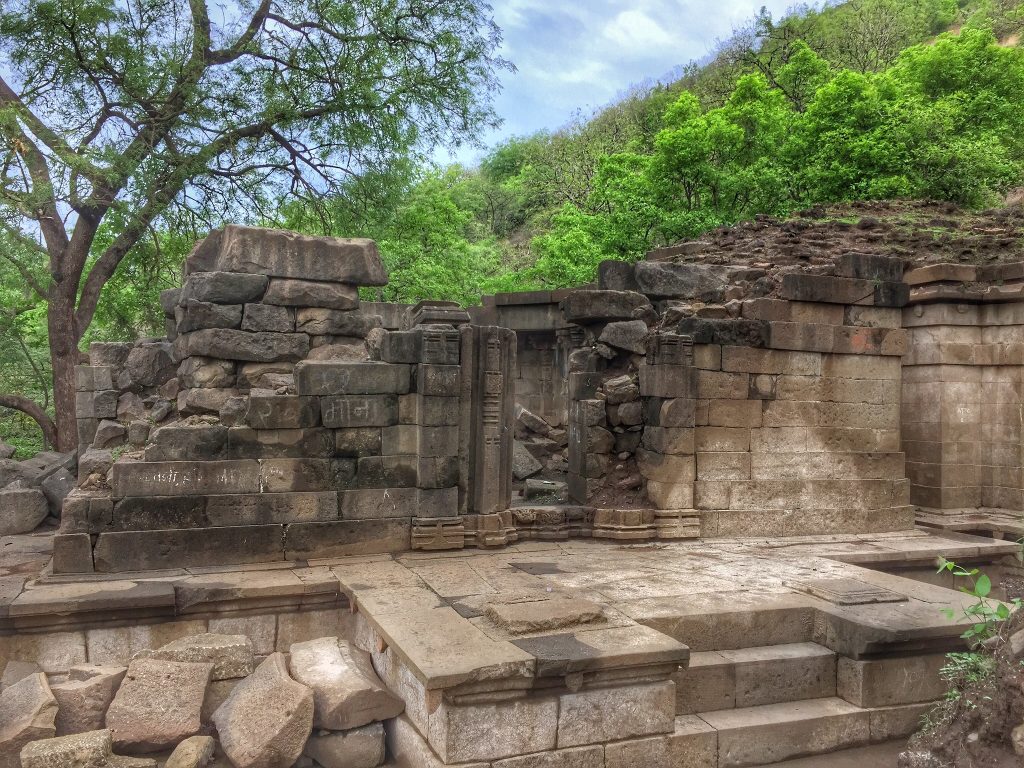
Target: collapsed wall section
x=301 y=428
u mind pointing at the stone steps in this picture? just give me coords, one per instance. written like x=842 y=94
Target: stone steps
x=760 y=735
x=749 y=677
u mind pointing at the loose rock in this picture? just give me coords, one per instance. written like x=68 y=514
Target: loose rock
x=194 y=752
x=84 y=698
x=27 y=713
x=358 y=748
x=267 y=718
x=346 y=689
x=230 y=655
x=21 y=510
x=158 y=704
x=83 y=750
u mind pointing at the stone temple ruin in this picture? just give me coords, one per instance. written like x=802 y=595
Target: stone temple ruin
x=685 y=518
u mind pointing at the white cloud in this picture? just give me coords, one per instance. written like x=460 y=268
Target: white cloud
x=636 y=31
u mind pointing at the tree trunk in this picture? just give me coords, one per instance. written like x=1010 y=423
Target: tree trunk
x=63 y=359
x=32 y=409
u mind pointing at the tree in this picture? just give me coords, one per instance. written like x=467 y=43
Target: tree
x=134 y=111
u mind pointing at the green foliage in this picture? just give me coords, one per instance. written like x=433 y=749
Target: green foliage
x=962 y=671
x=985 y=614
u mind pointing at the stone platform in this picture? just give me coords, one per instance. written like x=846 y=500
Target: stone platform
x=734 y=652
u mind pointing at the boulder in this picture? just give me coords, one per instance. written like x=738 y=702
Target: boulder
x=231 y=655
x=84 y=697
x=524 y=464
x=94 y=749
x=6 y=451
x=265 y=721
x=346 y=690
x=206 y=372
x=194 y=752
x=149 y=364
x=27 y=713
x=357 y=748
x=586 y=306
x=21 y=510
x=158 y=704
x=138 y=432
x=109 y=434
x=109 y=353
x=629 y=335
x=1017 y=644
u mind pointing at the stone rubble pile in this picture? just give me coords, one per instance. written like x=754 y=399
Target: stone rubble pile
x=321 y=705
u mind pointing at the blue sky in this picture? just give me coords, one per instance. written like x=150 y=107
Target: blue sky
x=579 y=55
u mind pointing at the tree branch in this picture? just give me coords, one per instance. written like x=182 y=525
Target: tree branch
x=33 y=410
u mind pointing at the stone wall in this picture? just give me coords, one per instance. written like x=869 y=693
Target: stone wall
x=962 y=396
x=301 y=428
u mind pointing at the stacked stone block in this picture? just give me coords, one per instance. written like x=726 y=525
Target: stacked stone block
x=291 y=442
x=962 y=427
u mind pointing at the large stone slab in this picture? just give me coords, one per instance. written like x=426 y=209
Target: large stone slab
x=84 y=697
x=543 y=613
x=594 y=306
x=27 y=712
x=158 y=704
x=193 y=752
x=84 y=750
x=231 y=655
x=223 y=287
x=279 y=253
x=490 y=731
x=346 y=690
x=266 y=719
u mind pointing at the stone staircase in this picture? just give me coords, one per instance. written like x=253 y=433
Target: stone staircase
x=769 y=703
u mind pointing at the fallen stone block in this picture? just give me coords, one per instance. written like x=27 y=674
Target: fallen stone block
x=83 y=699
x=158 y=704
x=202 y=372
x=621 y=389
x=267 y=718
x=27 y=713
x=21 y=510
x=524 y=465
x=346 y=690
x=6 y=451
x=94 y=749
x=194 y=752
x=231 y=655
x=357 y=748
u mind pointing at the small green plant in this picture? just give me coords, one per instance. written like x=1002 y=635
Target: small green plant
x=964 y=669
x=985 y=613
